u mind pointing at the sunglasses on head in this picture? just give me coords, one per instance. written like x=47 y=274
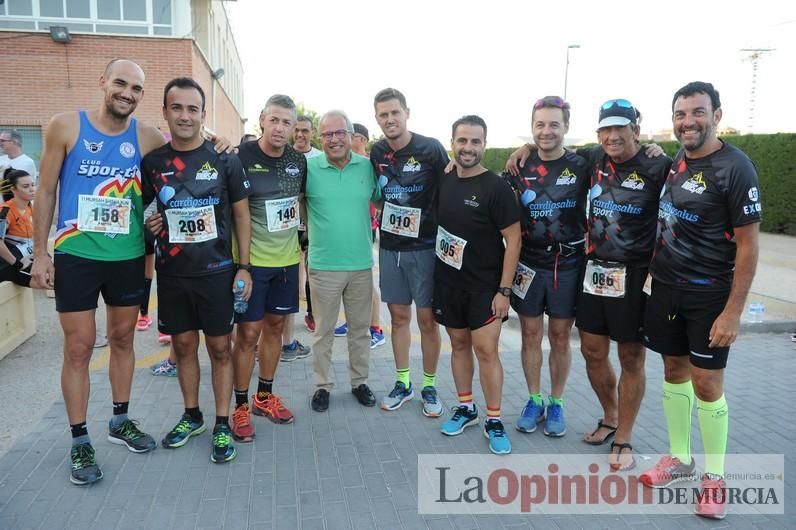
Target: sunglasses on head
x=549 y=102
x=618 y=102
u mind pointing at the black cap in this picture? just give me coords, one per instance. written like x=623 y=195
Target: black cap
x=617 y=112
x=361 y=129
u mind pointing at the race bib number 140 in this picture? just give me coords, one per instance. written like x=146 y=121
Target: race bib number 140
x=282 y=214
x=450 y=248
x=109 y=215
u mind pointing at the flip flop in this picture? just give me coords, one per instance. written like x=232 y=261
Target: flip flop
x=601 y=425
x=622 y=447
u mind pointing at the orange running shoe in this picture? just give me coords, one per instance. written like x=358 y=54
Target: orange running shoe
x=242 y=429
x=668 y=471
x=712 y=500
x=272 y=408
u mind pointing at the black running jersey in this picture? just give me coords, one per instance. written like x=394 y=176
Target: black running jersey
x=552 y=195
x=409 y=179
x=472 y=212
x=623 y=205
x=276 y=184
x=704 y=199
x=195 y=191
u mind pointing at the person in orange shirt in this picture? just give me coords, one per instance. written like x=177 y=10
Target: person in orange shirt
x=16 y=226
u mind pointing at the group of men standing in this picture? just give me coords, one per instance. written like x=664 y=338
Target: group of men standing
x=569 y=234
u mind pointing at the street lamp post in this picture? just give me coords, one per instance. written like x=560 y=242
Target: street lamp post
x=566 y=69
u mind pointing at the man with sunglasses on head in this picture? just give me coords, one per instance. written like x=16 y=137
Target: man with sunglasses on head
x=551 y=188
x=410 y=167
x=623 y=202
x=704 y=264
x=340 y=186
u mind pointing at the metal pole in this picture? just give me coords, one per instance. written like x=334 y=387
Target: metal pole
x=566 y=69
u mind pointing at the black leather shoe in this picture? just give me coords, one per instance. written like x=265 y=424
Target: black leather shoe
x=364 y=395
x=320 y=401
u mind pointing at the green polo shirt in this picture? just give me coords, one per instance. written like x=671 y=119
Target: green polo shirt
x=338 y=213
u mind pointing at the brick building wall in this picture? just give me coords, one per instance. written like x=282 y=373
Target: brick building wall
x=41 y=78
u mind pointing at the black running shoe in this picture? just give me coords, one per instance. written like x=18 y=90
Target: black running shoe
x=128 y=434
x=223 y=450
x=183 y=431
x=84 y=466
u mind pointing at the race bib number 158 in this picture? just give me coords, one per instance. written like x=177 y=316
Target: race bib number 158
x=109 y=215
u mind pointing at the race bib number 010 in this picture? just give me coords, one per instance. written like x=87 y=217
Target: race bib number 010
x=604 y=279
x=400 y=220
x=191 y=225
x=522 y=280
x=109 y=215
x=450 y=248
x=282 y=214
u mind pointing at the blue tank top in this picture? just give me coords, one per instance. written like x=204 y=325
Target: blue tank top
x=103 y=173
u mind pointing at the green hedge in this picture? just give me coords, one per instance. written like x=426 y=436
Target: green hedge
x=773 y=154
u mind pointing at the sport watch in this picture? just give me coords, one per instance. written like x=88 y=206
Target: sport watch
x=505 y=291
x=245 y=266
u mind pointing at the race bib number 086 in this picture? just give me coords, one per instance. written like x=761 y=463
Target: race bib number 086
x=282 y=214
x=109 y=215
x=604 y=279
x=191 y=225
x=450 y=248
x=400 y=220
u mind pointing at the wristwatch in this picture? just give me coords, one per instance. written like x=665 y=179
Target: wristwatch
x=245 y=266
x=505 y=291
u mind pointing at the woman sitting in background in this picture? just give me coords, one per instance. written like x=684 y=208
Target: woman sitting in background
x=16 y=226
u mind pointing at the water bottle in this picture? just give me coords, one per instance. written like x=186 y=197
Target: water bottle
x=756 y=310
x=240 y=304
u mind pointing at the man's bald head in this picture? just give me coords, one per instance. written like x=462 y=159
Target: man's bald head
x=119 y=62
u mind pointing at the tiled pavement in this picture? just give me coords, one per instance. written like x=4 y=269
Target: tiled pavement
x=355 y=467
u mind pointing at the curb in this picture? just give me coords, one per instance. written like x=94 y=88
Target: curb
x=771 y=326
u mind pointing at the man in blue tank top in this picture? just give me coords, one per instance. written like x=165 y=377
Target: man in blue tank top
x=95 y=157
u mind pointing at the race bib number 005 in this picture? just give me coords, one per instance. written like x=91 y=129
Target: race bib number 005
x=604 y=279
x=191 y=225
x=109 y=215
x=522 y=280
x=282 y=214
x=450 y=248
x=400 y=220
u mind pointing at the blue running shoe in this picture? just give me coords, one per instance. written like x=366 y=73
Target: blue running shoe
x=341 y=330
x=182 y=432
x=376 y=338
x=554 y=424
x=432 y=407
x=531 y=414
x=498 y=441
x=399 y=395
x=223 y=449
x=461 y=419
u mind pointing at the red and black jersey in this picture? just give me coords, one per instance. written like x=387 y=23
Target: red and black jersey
x=704 y=199
x=410 y=177
x=623 y=205
x=552 y=196
x=200 y=181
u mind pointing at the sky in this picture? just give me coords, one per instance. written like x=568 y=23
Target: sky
x=495 y=58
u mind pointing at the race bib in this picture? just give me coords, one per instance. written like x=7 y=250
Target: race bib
x=647 y=289
x=522 y=280
x=191 y=225
x=604 y=279
x=25 y=246
x=400 y=220
x=282 y=214
x=109 y=215
x=450 y=248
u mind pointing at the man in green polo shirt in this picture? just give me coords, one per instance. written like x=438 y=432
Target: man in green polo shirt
x=340 y=186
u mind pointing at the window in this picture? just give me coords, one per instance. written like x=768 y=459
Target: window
x=109 y=9
x=78 y=9
x=161 y=11
x=51 y=8
x=134 y=10
x=20 y=7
